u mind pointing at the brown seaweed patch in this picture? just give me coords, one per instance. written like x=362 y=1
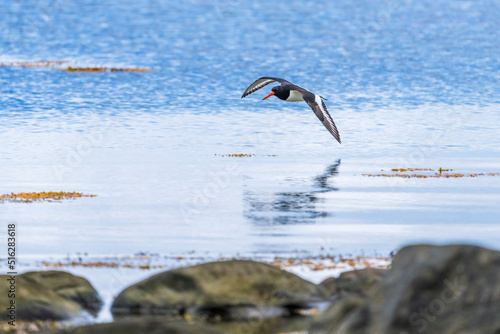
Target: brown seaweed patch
x=410 y=169
x=313 y=263
x=36 y=63
x=54 y=63
x=26 y=326
x=332 y=262
x=245 y=155
x=442 y=173
x=236 y=155
x=103 y=69
x=41 y=196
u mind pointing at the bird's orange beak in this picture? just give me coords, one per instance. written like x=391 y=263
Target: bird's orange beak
x=270 y=94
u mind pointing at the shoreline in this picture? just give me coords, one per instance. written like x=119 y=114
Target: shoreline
x=111 y=274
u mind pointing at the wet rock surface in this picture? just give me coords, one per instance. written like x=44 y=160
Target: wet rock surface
x=228 y=290
x=52 y=295
x=429 y=289
x=141 y=326
x=355 y=282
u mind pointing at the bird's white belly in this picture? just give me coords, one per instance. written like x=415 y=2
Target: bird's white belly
x=295 y=96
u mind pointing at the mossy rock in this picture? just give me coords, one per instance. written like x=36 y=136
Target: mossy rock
x=51 y=295
x=217 y=286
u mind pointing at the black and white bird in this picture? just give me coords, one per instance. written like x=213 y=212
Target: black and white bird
x=287 y=91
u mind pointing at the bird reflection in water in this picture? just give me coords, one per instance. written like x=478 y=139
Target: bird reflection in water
x=290 y=207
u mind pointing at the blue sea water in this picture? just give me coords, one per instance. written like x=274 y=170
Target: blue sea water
x=409 y=84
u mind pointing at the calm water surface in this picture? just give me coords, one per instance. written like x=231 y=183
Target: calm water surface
x=409 y=83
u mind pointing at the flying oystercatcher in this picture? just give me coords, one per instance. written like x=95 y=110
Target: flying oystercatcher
x=287 y=91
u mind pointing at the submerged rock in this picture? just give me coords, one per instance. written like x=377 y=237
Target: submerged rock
x=141 y=325
x=228 y=289
x=429 y=289
x=51 y=295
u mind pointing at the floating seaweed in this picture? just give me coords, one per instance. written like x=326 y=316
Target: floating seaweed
x=243 y=155
x=236 y=155
x=313 y=263
x=37 y=63
x=41 y=196
x=442 y=173
x=29 y=326
x=331 y=262
x=54 y=63
x=103 y=69
x=411 y=169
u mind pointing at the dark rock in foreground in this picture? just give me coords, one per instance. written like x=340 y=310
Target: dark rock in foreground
x=429 y=289
x=277 y=325
x=51 y=295
x=229 y=289
x=141 y=326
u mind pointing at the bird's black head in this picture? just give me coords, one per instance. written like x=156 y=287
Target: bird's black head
x=278 y=91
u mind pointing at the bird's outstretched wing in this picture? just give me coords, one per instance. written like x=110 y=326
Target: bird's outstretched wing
x=261 y=82
x=319 y=108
